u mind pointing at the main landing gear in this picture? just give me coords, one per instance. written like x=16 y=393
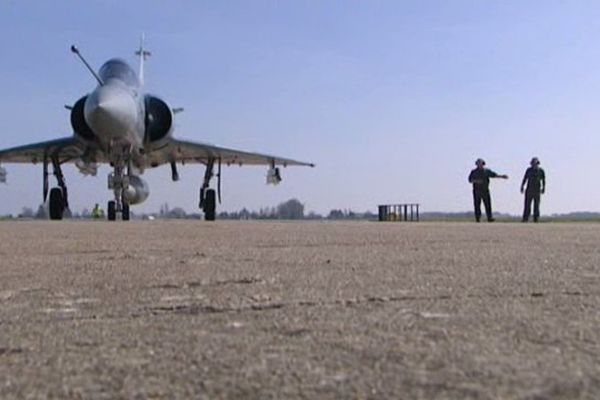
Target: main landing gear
x=59 y=199
x=208 y=197
x=118 y=182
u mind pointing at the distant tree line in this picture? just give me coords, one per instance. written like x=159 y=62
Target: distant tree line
x=292 y=209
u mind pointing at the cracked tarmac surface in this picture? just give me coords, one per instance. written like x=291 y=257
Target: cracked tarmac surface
x=189 y=309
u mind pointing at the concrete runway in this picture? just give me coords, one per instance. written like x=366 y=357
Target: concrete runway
x=189 y=309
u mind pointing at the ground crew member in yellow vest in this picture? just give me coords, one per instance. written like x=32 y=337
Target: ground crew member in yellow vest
x=97 y=212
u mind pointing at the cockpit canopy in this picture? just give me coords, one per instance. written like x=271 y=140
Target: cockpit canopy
x=118 y=69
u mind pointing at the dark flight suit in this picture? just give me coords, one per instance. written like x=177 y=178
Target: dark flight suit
x=534 y=178
x=480 y=178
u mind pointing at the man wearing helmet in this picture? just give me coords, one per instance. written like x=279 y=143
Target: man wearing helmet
x=480 y=178
x=535 y=178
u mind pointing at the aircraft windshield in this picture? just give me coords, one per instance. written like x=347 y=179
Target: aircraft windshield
x=118 y=69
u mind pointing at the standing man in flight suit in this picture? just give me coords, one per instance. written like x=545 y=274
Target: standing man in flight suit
x=535 y=178
x=480 y=178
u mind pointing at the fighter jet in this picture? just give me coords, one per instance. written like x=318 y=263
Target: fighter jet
x=117 y=123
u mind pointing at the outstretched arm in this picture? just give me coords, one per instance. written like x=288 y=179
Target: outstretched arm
x=492 y=174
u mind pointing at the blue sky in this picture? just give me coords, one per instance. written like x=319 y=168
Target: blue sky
x=393 y=100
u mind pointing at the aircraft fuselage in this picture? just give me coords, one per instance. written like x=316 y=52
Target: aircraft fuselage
x=115 y=110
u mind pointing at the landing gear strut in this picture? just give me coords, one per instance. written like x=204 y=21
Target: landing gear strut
x=118 y=182
x=208 y=197
x=174 y=173
x=59 y=199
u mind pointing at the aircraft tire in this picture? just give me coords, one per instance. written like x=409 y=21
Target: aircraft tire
x=57 y=204
x=125 y=213
x=111 y=212
x=210 y=205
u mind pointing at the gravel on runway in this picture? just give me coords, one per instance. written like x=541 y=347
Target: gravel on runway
x=191 y=309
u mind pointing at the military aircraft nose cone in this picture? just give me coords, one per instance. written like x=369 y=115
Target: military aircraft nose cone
x=110 y=111
x=111 y=105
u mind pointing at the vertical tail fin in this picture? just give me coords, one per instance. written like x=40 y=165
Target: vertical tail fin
x=143 y=55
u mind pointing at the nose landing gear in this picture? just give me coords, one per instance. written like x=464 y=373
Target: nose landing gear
x=118 y=182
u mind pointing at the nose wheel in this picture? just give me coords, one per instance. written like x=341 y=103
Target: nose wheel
x=118 y=182
x=112 y=211
x=125 y=212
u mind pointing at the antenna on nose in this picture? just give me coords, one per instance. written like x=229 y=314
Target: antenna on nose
x=75 y=50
